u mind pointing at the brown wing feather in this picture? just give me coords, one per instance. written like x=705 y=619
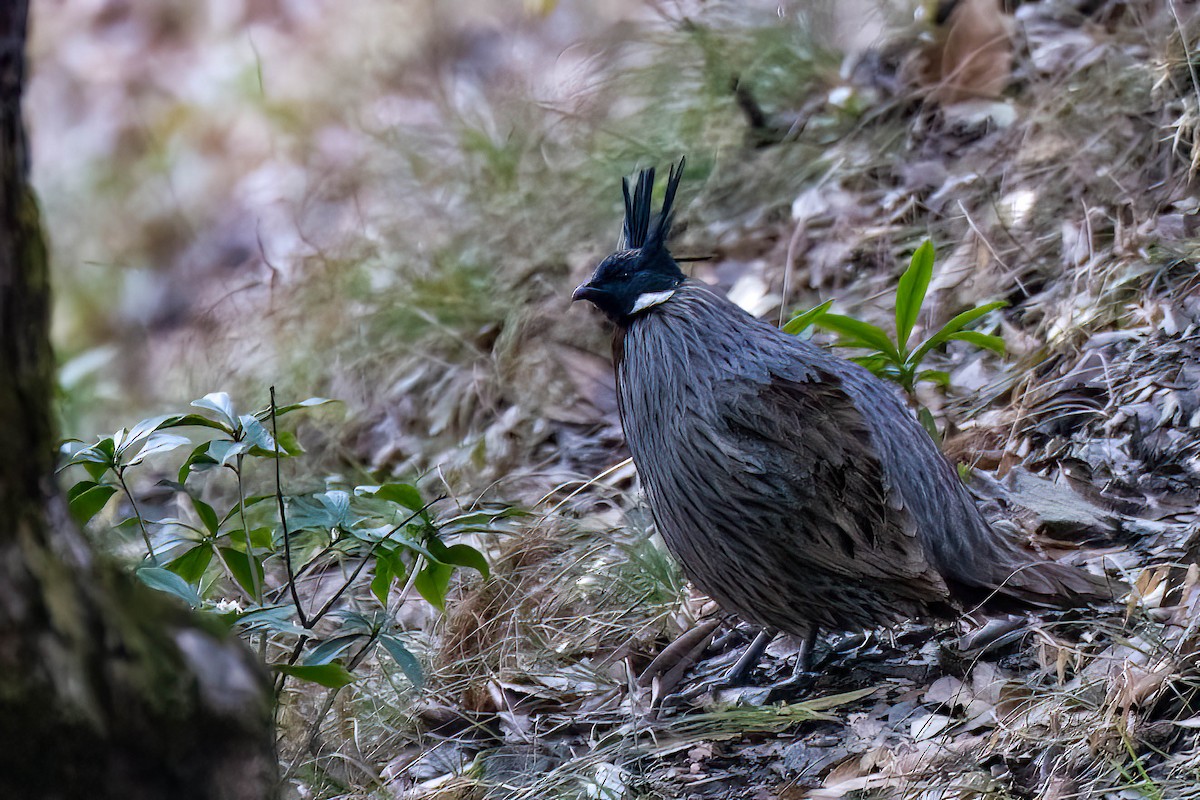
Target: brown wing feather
x=811 y=455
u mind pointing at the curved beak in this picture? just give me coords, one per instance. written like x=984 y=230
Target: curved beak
x=585 y=291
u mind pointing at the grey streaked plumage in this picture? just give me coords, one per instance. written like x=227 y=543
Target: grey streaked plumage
x=793 y=486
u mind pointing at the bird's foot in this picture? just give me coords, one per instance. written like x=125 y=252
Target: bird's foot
x=793 y=688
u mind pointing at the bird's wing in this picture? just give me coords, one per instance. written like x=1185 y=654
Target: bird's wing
x=811 y=476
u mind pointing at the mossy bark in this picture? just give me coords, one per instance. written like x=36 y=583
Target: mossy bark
x=107 y=689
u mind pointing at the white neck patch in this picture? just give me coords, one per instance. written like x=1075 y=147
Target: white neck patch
x=648 y=299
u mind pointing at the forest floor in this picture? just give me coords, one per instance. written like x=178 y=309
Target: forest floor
x=405 y=238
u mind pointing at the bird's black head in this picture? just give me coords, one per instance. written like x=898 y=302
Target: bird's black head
x=642 y=273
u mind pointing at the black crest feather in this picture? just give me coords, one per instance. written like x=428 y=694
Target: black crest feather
x=638 y=232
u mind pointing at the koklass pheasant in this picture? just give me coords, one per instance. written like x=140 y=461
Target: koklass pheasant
x=795 y=488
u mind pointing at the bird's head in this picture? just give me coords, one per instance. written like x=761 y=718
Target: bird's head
x=642 y=273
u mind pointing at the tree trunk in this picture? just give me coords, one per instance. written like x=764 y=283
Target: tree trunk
x=107 y=689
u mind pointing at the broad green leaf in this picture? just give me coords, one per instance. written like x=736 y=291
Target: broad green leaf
x=432 y=581
x=256 y=434
x=404 y=659
x=329 y=650
x=191 y=565
x=289 y=444
x=272 y=618
x=142 y=430
x=206 y=513
x=333 y=676
x=86 y=498
x=337 y=503
x=463 y=555
x=400 y=493
x=381 y=582
x=910 y=293
x=984 y=340
x=240 y=564
x=167 y=581
x=263 y=537
x=198 y=458
x=220 y=403
x=102 y=453
x=802 y=321
x=225 y=452
x=864 y=332
x=158 y=443
x=253 y=500
x=389 y=566
x=196 y=421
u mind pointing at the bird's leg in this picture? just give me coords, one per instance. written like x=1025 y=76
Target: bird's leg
x=740 y=671
x=804 y=657
x=803 y=677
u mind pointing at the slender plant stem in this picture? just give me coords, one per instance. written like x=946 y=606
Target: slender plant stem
x=315 y=728
x=287 y=538
x=325 y=609
x=138 y=514
x=256 y=582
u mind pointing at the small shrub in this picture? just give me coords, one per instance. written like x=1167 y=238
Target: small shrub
x=243 y=560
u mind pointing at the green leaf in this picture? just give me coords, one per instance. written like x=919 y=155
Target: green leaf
x=252 y=500
x=953 y=326
x=381 y=582
x=984 y=340
x=329 y=650
x=142 y=430
x=158 y=443
x=910 y=293
x=404 y=659
x=166 y=581
x=263 y=537
x=206 y=513
x=257 y=435
x=432 y=581
x=463 y=555
x=191 y=565
x=289 y=444
x=101 y=453
x=925 y=416
x=225 y=452
x=265 y=414
x=195 y=421
x=860 y=332
x=86 y=498
x=272 y=618
x=219 y=403
x=333 y=676
x=802 y=321
x=400 y=493
x=389 y=565
x=198 y=457
x=935 y=376
x=240 y=565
